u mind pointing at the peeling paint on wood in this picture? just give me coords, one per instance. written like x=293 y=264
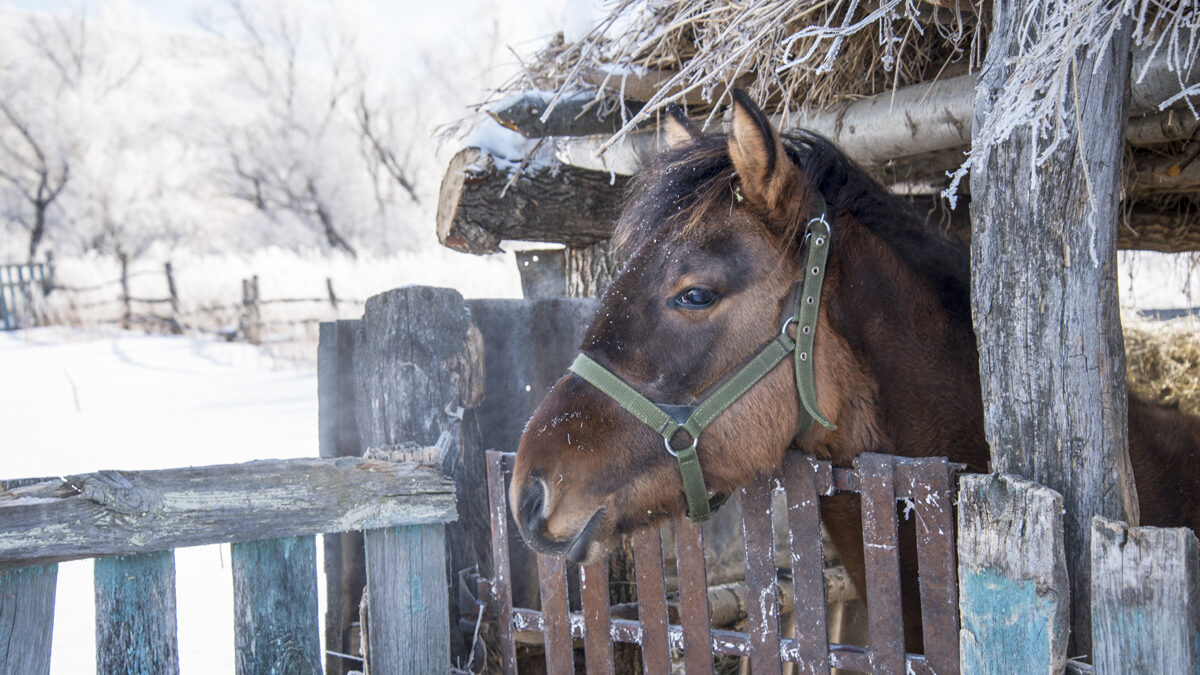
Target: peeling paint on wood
x=136 y=630
x=275 y=606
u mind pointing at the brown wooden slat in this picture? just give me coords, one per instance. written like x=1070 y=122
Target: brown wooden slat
x=552 y=578
x=932 y=501
x=762 y=606
x=501 y=600
x=693 y=597
x=652 y=602
x=804 y=479
x=597 y=641
x=881 y=555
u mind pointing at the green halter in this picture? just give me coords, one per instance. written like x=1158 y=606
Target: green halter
x=667 y=420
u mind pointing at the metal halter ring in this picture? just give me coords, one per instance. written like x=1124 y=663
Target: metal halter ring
x=786 y=322
x=672 y=451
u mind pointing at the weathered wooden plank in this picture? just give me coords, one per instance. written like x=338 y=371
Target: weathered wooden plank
x=652 y=604
x=27 y=618
x=762 y=608
x=553 y=576
x=124 y=512
x=502 y=592
x=1012 y=576
x=597 y=638
x=804 y=479
x=881 y=554
x=480 y=204
x=1145 y=599
x=693 y=597
x=136 y=628
x=407 y=599
x=1044 y=293
x=275 y=606
x=345 y=566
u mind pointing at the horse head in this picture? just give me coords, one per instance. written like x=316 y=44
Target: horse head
x=712 y=238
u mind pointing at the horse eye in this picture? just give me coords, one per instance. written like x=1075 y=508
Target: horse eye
x=696 y=298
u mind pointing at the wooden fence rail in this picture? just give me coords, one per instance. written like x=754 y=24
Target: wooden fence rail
x=21 y=289
x=270 y=510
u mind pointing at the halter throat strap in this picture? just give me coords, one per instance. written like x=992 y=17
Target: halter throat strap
x=668 y=420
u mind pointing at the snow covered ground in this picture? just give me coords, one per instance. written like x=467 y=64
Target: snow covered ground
x=74 y=402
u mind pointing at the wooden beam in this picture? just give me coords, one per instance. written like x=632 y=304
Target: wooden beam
x=1145 y=602
x=124 y=512
x=136 y=624
x=275 y=606
x=1014 y=598
x=482 y=203
x=27 y=618
x=1044 y=297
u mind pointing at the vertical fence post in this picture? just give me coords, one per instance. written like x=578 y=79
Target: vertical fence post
x=251 y=311
x=173 y=297
x=126 y=311
x=136 y=630
x=332 y=296
x=6 y=310
x=27 y=618
x=1014 y=602
x=1145 y=607
x=275 y=606
x=48 y=279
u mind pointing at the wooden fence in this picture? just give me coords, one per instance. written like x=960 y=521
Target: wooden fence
x=21 y=290
x=132 y=520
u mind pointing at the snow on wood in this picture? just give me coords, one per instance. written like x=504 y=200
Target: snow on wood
x=124 y=512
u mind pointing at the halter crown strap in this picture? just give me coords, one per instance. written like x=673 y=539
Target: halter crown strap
x=667 y=420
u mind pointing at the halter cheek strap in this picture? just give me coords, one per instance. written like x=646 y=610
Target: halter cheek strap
x=667 y=420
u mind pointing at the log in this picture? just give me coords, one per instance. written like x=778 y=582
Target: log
x=572 y=115
x=27 y=618
x=589 y=270
x=125 y=512
x=1145 y=607
x=1012 y=576
x=275 y=606
x=418 y=364
x=1044 y=299
x=136 y=629
x=480 y=203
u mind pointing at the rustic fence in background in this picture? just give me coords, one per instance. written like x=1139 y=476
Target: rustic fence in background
x=21 y=289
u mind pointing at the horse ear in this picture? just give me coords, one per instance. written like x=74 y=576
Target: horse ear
x=758 y=156
x=678 y=128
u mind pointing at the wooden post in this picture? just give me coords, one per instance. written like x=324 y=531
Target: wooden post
x=251 y=311
x=333 y=301
x=48 y=278
x=275 y=606
x=1012 y=577
x=590 y=269
x=345 y=565
x=418 y=372
x=1145 y=602
x=27 y=618
x=135 y=614
x=126 y=310
x=173 y=297
x=1044 y=296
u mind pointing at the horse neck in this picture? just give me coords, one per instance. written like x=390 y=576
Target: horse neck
x=917 y=366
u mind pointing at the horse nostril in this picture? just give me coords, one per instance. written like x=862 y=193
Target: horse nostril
x=533 y=499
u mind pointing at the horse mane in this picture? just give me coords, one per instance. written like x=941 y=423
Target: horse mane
x=683 y=187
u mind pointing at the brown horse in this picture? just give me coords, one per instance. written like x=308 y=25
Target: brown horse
x=712 y=238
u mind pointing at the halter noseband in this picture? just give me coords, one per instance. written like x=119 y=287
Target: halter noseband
x=667 y=420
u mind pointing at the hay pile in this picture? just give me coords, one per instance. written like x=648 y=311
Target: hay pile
x=1163 y=361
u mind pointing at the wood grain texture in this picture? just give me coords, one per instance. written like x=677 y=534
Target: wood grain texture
x=275 y=628
x=1044 y=299
x=27 y=619
x=561 y=204
x=124 y=512
x=408 y=600
x=590 y=269
x=1145 y=602
x=1012 y=576
x=136 y=630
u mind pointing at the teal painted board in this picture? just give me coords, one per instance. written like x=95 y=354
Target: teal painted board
x=408 y=620
x=1145 y=610
x=136 y=632
x=26 y=619
x=1014 y=599
x=276 y=631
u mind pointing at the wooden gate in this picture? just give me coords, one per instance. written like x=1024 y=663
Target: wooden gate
x=20 y=288
x=922 y=488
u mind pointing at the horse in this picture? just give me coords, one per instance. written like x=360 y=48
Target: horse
x=717 y=238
